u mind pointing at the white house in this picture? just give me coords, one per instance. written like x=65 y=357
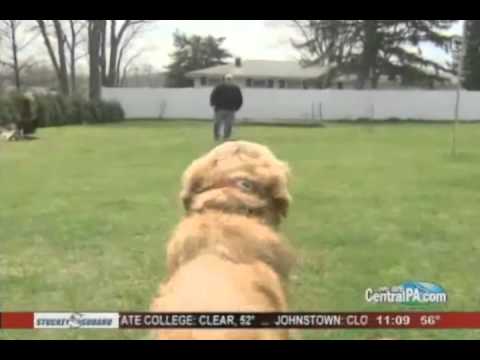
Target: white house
x=260 y=74
x=386 y=82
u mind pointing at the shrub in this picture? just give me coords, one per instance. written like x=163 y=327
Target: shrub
x=48 y=111
x=42 y=111
x=112 y=111
x=56 y=110
x=8 y=113
x=21 y=112
x=81 y=112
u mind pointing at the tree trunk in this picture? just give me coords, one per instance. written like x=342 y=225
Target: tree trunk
x=375 y=78
x=103 y=53
x=471 y=68
x=60 y=68
x=16 y=68
x=95 y=29
x=113 y=77
x=123 y=80
x=118 y=70
x=51 y=53
x=64 y=86
x=73 y=82
x=48 y=45
x=369 y=53
x=73 y=75
x=113 y=54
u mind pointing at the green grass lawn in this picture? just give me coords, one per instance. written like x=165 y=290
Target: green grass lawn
x=85 y=212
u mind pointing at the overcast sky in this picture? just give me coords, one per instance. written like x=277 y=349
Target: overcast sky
x=249 y=39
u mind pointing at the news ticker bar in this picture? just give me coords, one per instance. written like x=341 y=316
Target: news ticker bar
x=355 y=320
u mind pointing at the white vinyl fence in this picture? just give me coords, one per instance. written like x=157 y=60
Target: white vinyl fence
x=291 y=105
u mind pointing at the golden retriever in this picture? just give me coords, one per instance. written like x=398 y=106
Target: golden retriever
x=226 y=254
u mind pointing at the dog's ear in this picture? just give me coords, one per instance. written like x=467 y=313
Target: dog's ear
x=186 y=200
x=281 y=206
x=188 y=192
x=192 y=182
x=280 y=195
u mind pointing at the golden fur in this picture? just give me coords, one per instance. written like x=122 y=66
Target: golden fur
x=226 y=255
x=238 y=159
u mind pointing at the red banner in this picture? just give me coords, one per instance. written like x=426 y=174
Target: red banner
x=330 y=320
x=16 y=320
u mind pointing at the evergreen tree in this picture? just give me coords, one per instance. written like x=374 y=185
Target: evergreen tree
x=194 y=53
x=370 y=48
x=471 y=64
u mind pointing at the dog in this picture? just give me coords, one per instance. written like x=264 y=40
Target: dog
x=10 y=132
x=226 y=254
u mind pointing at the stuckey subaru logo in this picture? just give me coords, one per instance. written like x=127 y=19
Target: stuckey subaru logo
x=410 y=292
x=65 y=320
x=75 y=321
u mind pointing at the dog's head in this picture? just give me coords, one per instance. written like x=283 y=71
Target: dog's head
x=238 y=176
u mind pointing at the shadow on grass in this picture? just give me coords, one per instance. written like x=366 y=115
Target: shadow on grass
x=463 y=157
x=155 y=123
x=396 y=121
x=25 y=138
x=293 y=123
x=30 y=137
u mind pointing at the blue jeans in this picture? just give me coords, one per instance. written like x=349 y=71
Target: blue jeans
x=223 y=119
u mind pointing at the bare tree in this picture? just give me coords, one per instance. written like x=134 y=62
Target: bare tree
x=124 y=60
x=58 y=58
x=103 y=50
x=15 y=39
x=109 y=45
x=95 y=30
x=73 y=42
x=117 y=37
x=68 y=36
x=128 y=63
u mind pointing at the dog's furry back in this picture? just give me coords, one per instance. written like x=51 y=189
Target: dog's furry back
x=226 y=253
x=237 y=238
x=225 y=263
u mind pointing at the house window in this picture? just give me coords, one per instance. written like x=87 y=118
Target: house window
x=281 y=84
x=214 y=82
x=270 y=83
x=203 y=81
x=295 y=84
x=249 y=82
x=259 y=83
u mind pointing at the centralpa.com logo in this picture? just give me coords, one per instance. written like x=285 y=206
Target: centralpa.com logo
x=408 y=293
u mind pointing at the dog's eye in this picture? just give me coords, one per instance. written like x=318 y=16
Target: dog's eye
x=245 y=184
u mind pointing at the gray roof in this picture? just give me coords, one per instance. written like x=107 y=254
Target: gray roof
x=262 y=69
x=385 y=78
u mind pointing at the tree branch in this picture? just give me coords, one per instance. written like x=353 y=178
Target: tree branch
x=43 y=30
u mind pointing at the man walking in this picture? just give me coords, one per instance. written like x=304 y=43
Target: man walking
x=226 y=99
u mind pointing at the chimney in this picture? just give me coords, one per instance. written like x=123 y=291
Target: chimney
x=238 y=62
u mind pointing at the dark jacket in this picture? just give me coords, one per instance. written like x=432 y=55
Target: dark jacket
x=226 y=97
